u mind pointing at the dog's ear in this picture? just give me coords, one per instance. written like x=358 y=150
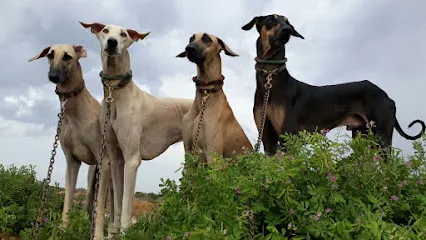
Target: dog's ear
x=135 y=36
x=80 y=51
x=41 y=54
x=225 y=47
x=250 y=25
x=182 y=54
x=295 y=33
x=94 y=27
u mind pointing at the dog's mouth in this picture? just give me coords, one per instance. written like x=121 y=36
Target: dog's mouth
x=195 y=57
x=111 y=52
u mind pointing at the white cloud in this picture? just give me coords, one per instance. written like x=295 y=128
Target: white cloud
x=344 y=41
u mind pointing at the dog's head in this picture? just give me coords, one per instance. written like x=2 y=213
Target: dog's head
x=114 y=39
x=204 y=47
x=274 y=30
x=63 y=60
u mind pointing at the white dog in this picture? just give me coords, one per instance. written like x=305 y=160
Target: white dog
x=140 y=126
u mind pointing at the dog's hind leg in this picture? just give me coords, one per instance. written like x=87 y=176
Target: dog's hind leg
x=73 y=166
x=91 y=178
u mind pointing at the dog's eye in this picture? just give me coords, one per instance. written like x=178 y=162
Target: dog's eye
x=191 y=39
x=50 y=56
x=105 y=31
x=123 y=34
x=206 y=38
x=67 y=57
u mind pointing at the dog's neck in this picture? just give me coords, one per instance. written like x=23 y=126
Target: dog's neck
x=73 y=82
x=210 y=70
x=117 y=65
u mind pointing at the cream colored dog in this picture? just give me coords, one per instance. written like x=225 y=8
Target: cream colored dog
x=141 y=126
x=80 y=132
x=220 y=132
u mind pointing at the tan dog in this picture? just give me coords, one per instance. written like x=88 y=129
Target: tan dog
x=220 y=132
x=141 y=126
x=80 y=132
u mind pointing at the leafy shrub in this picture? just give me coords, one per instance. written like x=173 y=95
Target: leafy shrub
x=318 y=189
x=78 y=228
x=20 y=194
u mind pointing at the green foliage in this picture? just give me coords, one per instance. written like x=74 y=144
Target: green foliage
x=318 y=189
x=78 y=228
x=20 y=194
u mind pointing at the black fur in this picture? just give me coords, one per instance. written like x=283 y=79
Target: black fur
x=311 y=108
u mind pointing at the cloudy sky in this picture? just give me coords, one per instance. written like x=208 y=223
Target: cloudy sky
x=381 y=40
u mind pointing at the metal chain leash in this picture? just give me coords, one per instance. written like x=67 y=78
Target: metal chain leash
x=49 y=171
x=108 y=101
x=268 y=86
x=203 y=108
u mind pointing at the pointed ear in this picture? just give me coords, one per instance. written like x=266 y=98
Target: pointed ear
x=294 y=32
x=227 y=50
x=182 y=54
x=80 y=51
x=94 y=27
x=250 y=25
x=41 y=54
x=135 y=36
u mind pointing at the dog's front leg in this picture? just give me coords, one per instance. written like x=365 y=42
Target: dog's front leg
x=101 y=201
x=269 y=137
x=73 y=166
x=131 y=165
x=117 y=175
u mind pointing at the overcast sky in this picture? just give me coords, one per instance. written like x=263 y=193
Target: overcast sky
x=381 y=40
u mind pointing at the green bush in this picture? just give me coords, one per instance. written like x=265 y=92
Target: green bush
x=318 y=189
x=20 y=194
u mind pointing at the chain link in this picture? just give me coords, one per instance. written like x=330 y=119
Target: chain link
x=49 y=171
x=203 y=108
x=108 y=101
x=268 y=86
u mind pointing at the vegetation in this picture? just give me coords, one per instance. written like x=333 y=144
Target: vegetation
x=318 y=189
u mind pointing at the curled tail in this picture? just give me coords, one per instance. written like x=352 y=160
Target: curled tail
x=406 y=136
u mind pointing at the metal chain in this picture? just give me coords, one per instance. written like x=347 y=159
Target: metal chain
x=49 y=171
x=203 y=108
x=268 y=86
x=251 y=237
x=108 y=101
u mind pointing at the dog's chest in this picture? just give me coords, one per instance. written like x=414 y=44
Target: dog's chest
x=276 y=114
x=76 y=141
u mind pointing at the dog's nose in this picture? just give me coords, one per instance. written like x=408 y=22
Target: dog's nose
x=112 y=43
x=190 y=50
x=53 y=77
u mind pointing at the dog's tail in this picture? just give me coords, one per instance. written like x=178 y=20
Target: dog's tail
x=406 y=136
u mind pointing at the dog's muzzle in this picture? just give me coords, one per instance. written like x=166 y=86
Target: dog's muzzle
x=194 y=53
x=111 y=47
x=55 y=76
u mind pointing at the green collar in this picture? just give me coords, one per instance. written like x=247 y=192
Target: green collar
x=272 y=62
x=125 y=76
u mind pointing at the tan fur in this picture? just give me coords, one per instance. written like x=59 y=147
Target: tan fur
x=80 y=132
x=265 y=35
x=221 y=133
x=276 y=114
x=141 y=126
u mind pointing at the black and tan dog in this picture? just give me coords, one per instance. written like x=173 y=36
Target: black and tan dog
x=219 y=131
x=295 y=106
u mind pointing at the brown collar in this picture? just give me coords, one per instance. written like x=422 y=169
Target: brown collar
x=210 y=87
x=74 y=93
